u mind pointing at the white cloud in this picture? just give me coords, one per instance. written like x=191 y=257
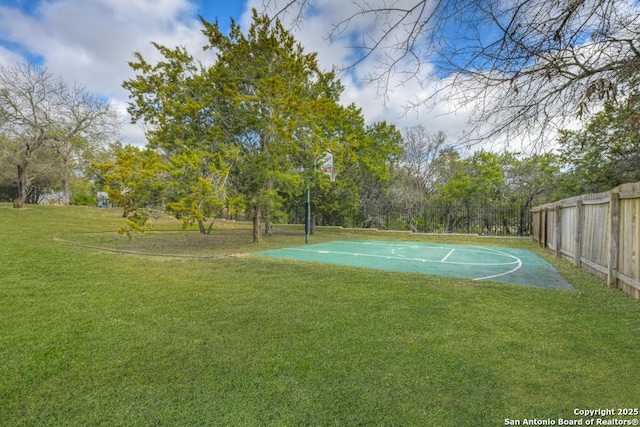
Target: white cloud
x=388 y=100
x=91 y=42
x=8 y=57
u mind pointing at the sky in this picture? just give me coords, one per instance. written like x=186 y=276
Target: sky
x=90 y=42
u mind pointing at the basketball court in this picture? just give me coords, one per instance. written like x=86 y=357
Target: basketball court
x=517 y=266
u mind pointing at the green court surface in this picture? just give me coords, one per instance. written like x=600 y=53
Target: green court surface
x=518 y=266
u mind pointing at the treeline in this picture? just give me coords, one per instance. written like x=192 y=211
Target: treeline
x=435 y=187
x=431 y=174
x=246 y=134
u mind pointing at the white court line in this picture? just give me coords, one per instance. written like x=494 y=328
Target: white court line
x=518 y=261
x=448 y=255
x=426 y=246
x=501 y=274
x=410 y=259
x=393 y=252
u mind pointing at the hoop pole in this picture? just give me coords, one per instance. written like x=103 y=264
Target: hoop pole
x=307 y=215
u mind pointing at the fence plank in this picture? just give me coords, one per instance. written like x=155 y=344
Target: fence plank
x=614 y=239
x=578 y=251
x=567 y=225
x=545 y=223
x=595 y=233
x=629 y=260
x=558 y=231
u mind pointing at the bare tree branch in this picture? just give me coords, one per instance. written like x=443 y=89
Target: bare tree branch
x=523 y=66
x=38 y=110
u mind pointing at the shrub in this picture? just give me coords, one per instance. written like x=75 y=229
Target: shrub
x=84 y=199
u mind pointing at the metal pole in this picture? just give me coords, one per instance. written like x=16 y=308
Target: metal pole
x=307 y=215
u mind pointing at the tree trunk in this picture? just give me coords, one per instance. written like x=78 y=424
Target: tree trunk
x=201 y=227
x=523 y=214
x=22 y=185
x=268 y=228
x=312 y=226
x=66 y=191
x=256 y=224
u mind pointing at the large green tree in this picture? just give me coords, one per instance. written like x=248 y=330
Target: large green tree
x=606 y=152
x=465 y=182
x=176 y=99
x=279 y=109
x=371 y=171
x=477 y=179
x=247 y=130
x=530 y=181
x=365 y=162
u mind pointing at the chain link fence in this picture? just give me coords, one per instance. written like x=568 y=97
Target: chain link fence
x=482 y=219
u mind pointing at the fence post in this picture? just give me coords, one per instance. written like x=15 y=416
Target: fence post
x=614 y=239
x=538 y=230
x=387 y=209
x=558 y=232
x=544 y=229
x=424 y=219
x=578 y=233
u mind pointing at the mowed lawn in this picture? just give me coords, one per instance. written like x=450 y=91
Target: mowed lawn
x=91 y=337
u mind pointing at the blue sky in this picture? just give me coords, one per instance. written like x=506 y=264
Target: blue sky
x=221 y=9
x=36 y=10
x=90 y=42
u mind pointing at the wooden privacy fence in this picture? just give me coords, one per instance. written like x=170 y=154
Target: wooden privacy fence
x=597 y=232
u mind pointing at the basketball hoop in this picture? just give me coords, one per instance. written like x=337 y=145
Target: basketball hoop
x=331 y=171
x=326 y=166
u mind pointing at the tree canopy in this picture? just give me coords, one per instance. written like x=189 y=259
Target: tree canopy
x=606 y=152
x=174 y=97
x=281 y=111
x=249 y=130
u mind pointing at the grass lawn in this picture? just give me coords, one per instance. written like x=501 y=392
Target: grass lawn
x=92 y=337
